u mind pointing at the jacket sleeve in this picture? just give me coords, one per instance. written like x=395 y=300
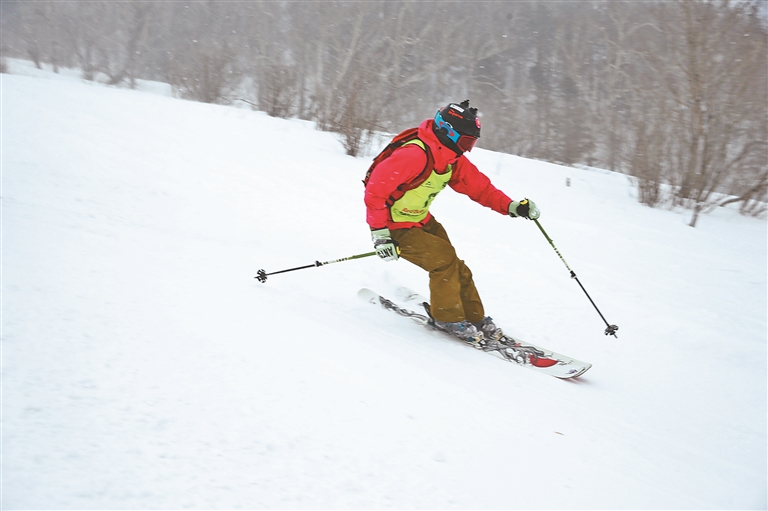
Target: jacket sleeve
x=467 y=179
x=402 y=166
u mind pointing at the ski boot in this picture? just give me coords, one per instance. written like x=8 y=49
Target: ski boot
x=463 y=330
x=489 y=329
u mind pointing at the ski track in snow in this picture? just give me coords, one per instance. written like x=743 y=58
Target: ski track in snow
x=144 y=367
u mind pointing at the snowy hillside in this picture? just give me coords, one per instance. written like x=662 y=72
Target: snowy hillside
x=144 y=367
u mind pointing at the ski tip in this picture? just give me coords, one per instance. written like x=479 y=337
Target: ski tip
x=576 y=372
x=368 y=295
x=407 y=295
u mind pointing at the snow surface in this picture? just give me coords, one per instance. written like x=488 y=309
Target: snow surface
x=144 y=367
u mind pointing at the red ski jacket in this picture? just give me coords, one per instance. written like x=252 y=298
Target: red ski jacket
x=405 y=165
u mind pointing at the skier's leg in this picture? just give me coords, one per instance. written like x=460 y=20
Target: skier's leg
x=470 y=297
x=453 y=293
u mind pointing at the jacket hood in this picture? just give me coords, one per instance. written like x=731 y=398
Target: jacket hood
x=443 y=155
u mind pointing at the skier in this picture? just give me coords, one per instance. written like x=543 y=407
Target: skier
x=400 y=187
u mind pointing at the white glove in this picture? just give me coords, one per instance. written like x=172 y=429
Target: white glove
x=385 y=247
x=524 y=208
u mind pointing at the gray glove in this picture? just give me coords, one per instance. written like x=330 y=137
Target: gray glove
x=524 y=208
x=385 y=247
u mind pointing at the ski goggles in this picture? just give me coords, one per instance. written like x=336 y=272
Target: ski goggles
x=463 y=142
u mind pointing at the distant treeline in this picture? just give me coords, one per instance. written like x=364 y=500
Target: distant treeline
x=673 y=93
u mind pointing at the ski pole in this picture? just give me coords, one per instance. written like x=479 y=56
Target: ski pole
x=261 y=275
x=611 y=329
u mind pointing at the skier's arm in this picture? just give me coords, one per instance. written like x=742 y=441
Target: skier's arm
x=467 y=179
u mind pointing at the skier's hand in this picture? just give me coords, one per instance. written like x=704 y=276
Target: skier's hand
x=524 y=208
x=385 y=247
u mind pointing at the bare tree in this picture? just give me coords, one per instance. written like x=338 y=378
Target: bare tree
x=39 y=28
x=713 y=68
x=125 y=33
x=346 y=97
x=270 y=62
x=618 y=29
x=204 y=65
x=205 y=71
x=649 y=151
x=277 y=89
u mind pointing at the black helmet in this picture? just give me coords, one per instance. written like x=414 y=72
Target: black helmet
x=457 y=126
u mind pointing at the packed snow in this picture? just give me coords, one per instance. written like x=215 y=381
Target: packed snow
x=143 y=366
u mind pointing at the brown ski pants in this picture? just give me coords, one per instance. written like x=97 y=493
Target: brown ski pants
x=453 y=293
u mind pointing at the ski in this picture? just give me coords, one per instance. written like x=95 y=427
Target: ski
x=507 y=348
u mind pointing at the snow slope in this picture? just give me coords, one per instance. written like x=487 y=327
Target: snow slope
x=144 y=367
